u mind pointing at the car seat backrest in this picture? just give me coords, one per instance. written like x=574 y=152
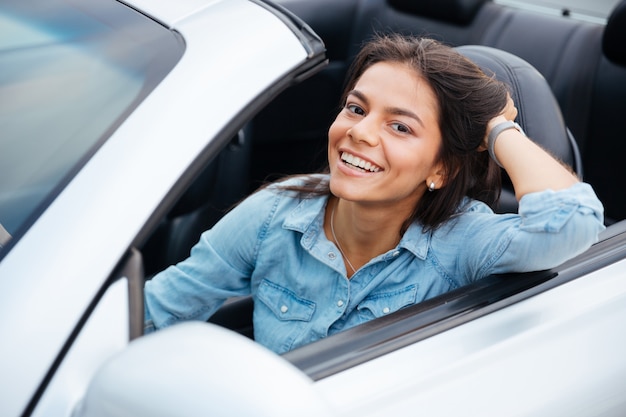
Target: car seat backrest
x=455 y=22
x=539 y=113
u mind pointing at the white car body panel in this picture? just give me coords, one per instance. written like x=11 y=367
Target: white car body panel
x=104 y=334
x=491 y=366
x=110 y=187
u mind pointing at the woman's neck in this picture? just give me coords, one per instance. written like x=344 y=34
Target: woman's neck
x=362 y=232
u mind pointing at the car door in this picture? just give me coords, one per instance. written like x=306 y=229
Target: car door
x=67 y=302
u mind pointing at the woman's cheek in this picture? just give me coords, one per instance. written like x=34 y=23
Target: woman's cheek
x=335 y=131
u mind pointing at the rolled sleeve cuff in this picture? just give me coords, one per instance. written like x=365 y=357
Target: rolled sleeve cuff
x=561 y=205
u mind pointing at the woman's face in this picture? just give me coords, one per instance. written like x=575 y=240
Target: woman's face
x=389 y=129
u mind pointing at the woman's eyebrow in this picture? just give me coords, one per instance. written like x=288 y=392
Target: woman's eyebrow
x=391 y=110
x=358 y=95
x=403 y=112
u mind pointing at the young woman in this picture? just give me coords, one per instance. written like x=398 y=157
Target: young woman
x=403 y=214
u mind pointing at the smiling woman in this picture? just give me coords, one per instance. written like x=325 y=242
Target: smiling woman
x=410 y=185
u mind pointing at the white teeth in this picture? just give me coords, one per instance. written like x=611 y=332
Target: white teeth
x=359 y=163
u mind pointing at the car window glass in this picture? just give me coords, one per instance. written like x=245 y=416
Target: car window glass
x=68 y=79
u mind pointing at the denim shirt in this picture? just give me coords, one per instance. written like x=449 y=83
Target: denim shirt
x=273 y=246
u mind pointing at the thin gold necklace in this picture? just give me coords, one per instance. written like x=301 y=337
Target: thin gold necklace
x=332 y=230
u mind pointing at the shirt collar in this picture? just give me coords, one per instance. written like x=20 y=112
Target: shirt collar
x=308 y=219
x=305 y=214
x=416 y=240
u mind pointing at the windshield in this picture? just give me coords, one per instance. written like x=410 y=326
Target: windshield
x=71 y=72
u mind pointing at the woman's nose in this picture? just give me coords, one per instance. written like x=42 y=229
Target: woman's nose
x=365 y=131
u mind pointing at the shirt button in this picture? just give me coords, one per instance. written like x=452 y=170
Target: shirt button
x=386 y=310
x=339 y=303
x=396 y=253
x=284 y=309
x=332 y=255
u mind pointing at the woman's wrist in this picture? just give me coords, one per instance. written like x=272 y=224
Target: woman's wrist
x=496 y=121
x=498 y=128
x=490 y=125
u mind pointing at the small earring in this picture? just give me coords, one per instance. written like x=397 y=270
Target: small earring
x=431 y=187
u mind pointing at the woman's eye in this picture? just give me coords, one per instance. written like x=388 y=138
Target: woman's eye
x=353 y=108
x=399 y=127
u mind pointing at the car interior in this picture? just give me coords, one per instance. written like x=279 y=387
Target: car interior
x=568 y=79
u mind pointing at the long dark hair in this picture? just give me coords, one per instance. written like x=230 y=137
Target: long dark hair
x=467 y=99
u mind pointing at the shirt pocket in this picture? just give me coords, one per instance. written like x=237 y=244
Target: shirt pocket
x=284 y=303
x=385 y=302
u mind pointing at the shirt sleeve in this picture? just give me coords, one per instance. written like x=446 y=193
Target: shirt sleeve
x=550 y=228
x=219 y=266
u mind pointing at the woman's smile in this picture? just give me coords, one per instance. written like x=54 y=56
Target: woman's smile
x=358 y=163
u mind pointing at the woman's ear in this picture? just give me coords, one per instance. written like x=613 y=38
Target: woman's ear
x=438 y=179
x=440 y=176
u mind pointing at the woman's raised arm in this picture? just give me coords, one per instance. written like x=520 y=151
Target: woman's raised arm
x=529 y=166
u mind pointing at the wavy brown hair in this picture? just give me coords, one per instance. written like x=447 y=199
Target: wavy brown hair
x=468 y=99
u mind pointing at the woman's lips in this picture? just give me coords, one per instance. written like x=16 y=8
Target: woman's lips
x=359 y=163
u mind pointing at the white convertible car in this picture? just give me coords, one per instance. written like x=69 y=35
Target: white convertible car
x=128 y=128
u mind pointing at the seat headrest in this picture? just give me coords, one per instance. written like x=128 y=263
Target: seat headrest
x=539 y=113
x=614 y=37
x=455 y=11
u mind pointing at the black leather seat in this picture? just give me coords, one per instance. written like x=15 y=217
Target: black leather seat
x=538 y=111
